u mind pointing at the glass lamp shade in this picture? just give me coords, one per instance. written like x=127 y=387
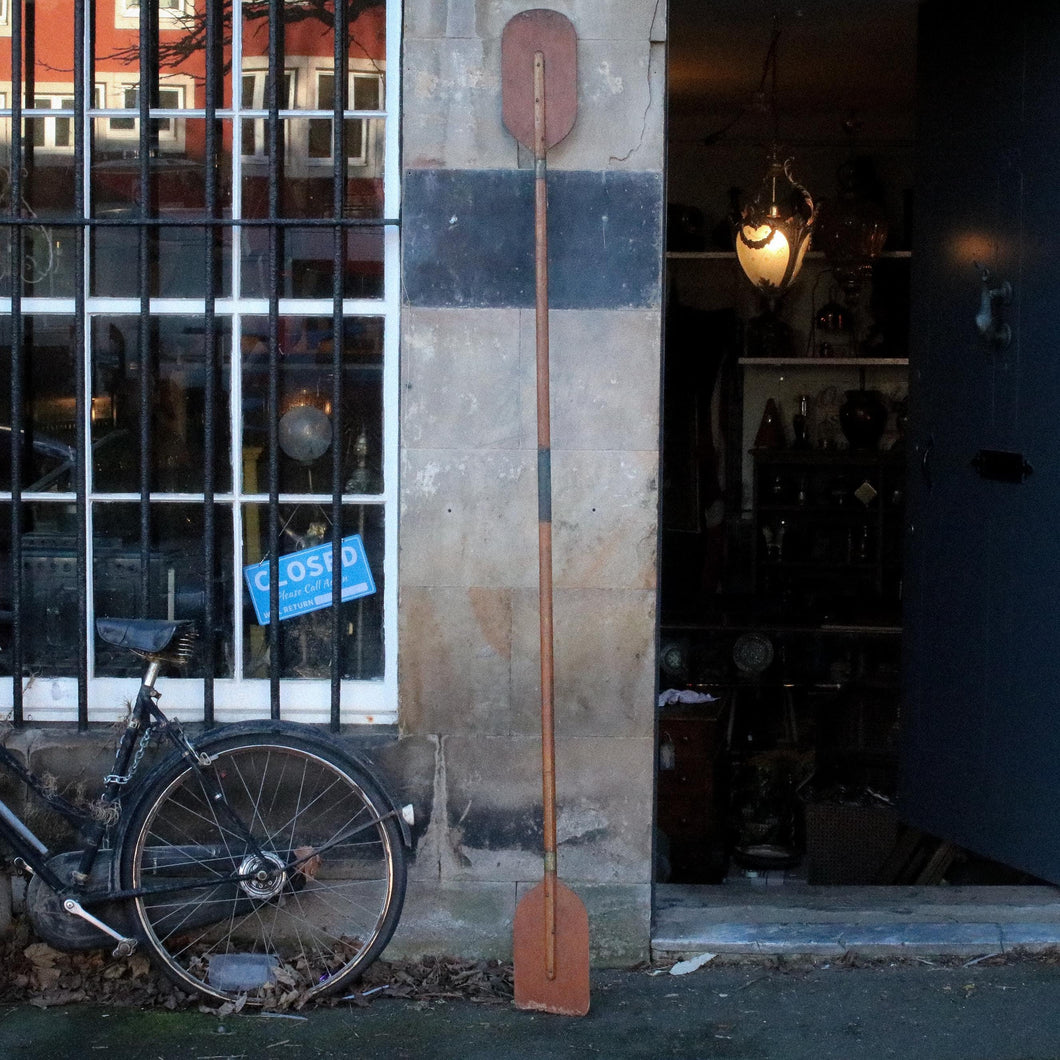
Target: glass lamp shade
x=773 y=232
x=765 y=255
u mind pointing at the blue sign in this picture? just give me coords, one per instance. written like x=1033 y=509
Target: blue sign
x=305 y=579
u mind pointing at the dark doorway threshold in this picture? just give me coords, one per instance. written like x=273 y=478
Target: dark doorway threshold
x=750 y=917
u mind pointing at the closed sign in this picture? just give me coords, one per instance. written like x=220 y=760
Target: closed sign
x=305 y=582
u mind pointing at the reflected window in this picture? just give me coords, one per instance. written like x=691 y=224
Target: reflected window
x=365 y=93
x=254 y=141
x=170 y=97
x=127 y=12
x=57 y=131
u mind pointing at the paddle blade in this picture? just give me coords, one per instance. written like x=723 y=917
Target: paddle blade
x=567 y=993
x=552 y=34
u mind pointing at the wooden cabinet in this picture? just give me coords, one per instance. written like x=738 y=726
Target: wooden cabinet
x=692 y=802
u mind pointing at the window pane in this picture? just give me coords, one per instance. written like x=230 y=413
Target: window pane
x=309 y=254
x=305 y=641
x=177 y=413
x=176 y=256
x=49 y=589
x=175 y=576
x=49 y=412
x=308 y=425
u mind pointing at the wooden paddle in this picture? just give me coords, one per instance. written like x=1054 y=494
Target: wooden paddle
x=539 y=103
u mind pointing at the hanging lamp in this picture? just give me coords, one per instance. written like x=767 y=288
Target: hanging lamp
x=773 y=230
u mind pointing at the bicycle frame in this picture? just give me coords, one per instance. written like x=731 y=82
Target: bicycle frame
x=28 y=847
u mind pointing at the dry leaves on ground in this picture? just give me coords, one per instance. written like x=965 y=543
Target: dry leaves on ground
x=32 y=972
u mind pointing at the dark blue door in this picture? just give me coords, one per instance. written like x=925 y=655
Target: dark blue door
x=981 y=707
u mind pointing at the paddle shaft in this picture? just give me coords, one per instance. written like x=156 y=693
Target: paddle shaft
x=544 y=516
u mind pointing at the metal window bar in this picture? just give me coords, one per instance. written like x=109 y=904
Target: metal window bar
x=147 y=98
x=17 y=394
x=212 y=245
x=83 y=19
x=338 y=182
x=275 y=140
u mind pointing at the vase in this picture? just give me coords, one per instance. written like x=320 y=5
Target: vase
x=862 y=418
x=770 y=430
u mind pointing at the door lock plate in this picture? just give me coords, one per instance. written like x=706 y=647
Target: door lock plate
x=998 y=466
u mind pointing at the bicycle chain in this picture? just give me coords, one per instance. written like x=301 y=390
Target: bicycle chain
x=141 y=750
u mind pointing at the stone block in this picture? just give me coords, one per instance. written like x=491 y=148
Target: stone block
x=406 y=767
x=604 y=650
x=605 y=373
x=78 y=761
x=461 y=380
x=467 y=238
x=474 y=922
x=468 y=518
x=621 y=94
x=604 y=807
x=451 y=106
x=636 y=19
x=471 y=921
x=604 y=519
x=455 y=659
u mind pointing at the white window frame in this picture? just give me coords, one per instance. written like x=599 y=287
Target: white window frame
x=170 y=113
x=127 y=12
x=362 y=701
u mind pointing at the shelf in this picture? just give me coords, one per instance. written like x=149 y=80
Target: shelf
x=823 y=362
x=825 y=458
x=730 y=255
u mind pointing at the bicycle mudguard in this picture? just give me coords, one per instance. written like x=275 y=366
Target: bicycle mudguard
x=307 y=734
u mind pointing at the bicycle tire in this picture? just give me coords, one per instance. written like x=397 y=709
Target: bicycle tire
x=304 y=902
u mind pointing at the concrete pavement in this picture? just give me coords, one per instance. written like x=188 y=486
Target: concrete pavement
x=993 y=1008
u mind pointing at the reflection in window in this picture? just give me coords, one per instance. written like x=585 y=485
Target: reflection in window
x=365 y=94
x=169 y=98
x=253 y=138
x=53 y=132
x=177 y=367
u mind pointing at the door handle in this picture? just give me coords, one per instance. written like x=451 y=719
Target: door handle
x=988 y=319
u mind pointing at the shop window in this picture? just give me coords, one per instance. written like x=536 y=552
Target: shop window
x=197 y=392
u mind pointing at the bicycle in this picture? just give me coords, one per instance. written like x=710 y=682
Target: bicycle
x=254 y=859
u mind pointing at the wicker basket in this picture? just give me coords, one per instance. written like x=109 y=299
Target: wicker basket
x=847 y=843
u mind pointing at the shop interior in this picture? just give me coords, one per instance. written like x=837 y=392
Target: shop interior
x=784 y=449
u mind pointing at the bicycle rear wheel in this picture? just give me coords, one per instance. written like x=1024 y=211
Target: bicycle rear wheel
x=292 y=880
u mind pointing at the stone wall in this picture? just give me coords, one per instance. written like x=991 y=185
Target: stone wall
x=469 y=679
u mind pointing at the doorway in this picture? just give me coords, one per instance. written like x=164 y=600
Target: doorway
x=783 y=560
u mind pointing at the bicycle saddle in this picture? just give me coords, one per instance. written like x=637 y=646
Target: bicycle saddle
x=149 y=636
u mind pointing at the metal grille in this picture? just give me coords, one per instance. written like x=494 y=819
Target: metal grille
x=198 y=184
